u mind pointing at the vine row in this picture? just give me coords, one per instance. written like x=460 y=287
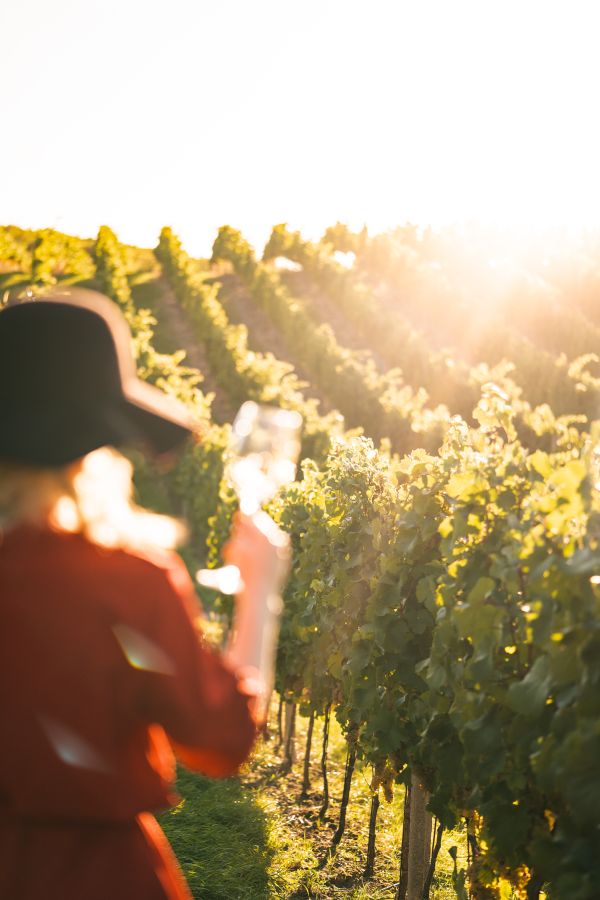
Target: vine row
x=242 y=373
x=447 y=607
x=383 y=404
x=446 y=380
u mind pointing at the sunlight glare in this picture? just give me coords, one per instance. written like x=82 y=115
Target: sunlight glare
x=72 y=748
x=142 y=653
x=432 y=113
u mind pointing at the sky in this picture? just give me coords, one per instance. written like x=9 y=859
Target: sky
x=141 y=113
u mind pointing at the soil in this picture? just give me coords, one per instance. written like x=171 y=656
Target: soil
x=263 y=334
x=180 y=328
x=323 y=308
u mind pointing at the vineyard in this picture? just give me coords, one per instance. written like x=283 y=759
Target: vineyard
x=438 y=674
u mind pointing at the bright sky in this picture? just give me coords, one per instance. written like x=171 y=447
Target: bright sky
x=139 y=113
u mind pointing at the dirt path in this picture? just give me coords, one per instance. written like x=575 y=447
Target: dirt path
x=181 y=331
x=263 y=335
x=323 y=309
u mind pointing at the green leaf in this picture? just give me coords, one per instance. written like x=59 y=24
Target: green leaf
x=465 y=485
x=483 y=588
x=445 y=528
x=528 y=697
x=540 y=462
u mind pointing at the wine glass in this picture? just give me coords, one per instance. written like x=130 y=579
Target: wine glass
x=263 y=450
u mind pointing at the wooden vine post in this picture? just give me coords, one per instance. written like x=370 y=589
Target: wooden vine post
x=419 y=841
x=279 y=722
x=403 y=874
x=289 y=738
x=306 y=773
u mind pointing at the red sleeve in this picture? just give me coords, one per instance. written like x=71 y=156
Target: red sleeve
x=188 y=689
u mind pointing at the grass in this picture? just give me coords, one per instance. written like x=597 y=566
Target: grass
x=250 y=837
x=220 y=836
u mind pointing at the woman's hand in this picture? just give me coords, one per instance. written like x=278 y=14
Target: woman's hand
x=261 y=551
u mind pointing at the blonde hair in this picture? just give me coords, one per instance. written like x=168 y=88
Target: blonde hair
x=92 y=496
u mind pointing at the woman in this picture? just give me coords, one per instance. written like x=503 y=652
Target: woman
x=103 y=673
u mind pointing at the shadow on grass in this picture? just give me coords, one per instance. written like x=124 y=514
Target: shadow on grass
x=219 y=835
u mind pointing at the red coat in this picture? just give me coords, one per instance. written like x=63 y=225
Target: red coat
x=102 y=672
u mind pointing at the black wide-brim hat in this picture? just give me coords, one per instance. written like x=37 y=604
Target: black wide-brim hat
x=68 y=384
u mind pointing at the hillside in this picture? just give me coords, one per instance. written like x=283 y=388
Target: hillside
x=440 y=635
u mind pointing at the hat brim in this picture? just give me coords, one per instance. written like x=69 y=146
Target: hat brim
x=159 y=421
x=68 y=384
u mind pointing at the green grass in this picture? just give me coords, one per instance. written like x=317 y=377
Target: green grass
x=250 y=838
x=220 y=836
